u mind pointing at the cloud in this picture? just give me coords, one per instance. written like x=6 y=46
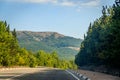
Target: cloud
x=62 y=2
x=41 y=1
x=79 y=3
x=37 y=1
x=33 y=1
x=91 y=3
x=67 y=3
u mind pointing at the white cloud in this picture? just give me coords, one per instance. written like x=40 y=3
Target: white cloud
x=33 y=1
x=91 y=3
x=78 y=4
x=62 y=2
x=41 y=1
x=58 y=2
x=67 y=3
x=37 y=1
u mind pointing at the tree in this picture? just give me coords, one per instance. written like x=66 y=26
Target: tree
x=14 y=33
x=8 y=29
x=100 y=47
x=117 y=2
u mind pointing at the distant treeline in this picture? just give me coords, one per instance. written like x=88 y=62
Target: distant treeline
x=12 y=55
x=101 y=45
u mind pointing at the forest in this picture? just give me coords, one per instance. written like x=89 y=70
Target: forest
x=11 y=54
x=101 y=45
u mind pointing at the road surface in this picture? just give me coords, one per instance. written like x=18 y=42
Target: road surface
x=36 y=74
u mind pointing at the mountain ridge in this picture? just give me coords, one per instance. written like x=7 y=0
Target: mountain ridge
x=66 y=46
x=48 y=32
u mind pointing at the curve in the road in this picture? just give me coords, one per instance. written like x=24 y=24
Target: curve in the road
x=51 y=74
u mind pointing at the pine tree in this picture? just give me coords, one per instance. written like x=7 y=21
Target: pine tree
x=14 y=33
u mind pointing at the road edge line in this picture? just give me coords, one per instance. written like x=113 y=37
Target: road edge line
x=72 y=74
x=15 y=76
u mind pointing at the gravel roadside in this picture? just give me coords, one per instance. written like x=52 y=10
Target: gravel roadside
x=97 y=76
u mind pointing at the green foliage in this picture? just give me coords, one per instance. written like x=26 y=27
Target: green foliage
x=101 y=45
x=12 y=55
x=8 y=45
x=52 y=60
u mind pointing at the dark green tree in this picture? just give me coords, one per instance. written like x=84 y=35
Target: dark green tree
x=101 y=45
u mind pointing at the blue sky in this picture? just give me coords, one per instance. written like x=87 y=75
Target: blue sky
x=68 y=17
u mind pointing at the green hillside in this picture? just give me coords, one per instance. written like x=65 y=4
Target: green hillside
x=67 y=47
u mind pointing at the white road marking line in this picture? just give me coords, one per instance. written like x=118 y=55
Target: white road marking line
x=72 y=75
x=14 y=76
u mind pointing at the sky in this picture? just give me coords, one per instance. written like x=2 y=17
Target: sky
x=68 y=17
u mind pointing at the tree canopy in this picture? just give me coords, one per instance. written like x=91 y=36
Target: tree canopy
x=102 y=42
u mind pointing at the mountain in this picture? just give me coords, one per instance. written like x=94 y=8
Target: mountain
x=67 y=47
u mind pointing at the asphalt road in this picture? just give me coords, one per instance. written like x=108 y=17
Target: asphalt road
x=36 y=74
